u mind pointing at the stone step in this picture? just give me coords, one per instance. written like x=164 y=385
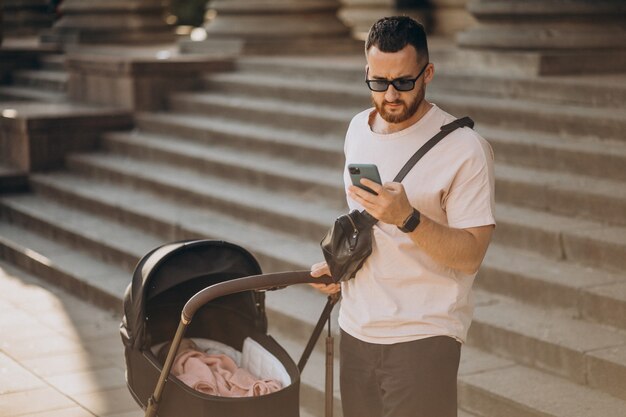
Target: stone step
x=160 y=215
x=346 y=68
x=514 y=390
x=587 y=90
x=78 y=272
x=548 y=339
x=118 y=244
x=605 y=159
x=52 y=62
x=321 y=91
x=324 y=150
x=592 y=294
x=299 y=214
x=481 y=375
x=563 y=119
x=265 y=112
x=257 y=170
x=596 y=199
x=595 y=91
x=569 y=194
x=515 y=147
x=47 y=80
x=557 y=237
x=148 y=207
x=346 y=86
x=30 y=94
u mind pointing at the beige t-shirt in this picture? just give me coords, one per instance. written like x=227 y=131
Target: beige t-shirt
x=401 y=294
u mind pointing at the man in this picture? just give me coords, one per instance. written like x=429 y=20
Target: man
x=406 y=313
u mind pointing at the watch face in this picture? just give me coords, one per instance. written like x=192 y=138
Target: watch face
x=411 y=223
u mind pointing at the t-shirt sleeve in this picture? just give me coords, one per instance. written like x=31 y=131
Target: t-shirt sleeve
x=470 y=200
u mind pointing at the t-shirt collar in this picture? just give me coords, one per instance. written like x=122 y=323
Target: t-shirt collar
x=403 y=132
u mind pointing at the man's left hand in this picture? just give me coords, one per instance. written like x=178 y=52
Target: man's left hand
x=390 y=206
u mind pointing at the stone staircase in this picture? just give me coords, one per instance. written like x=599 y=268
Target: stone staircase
x=45 y=83
x=255 y=158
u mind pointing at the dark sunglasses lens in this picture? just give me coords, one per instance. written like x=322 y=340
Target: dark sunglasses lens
x=375 y=85
x=403 y=85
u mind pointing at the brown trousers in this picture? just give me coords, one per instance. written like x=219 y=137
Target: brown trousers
x=412 y=379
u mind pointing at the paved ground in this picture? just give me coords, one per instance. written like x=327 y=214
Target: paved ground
x=59 y=356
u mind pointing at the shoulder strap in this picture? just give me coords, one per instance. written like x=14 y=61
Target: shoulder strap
x=445 y=130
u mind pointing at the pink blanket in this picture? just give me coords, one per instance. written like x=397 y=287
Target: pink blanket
x=219 y=375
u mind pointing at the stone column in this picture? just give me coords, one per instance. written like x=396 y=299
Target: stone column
x=448 y=17
x=276 y=27
x=549 y=36
x=360 y=15
x=111 y=22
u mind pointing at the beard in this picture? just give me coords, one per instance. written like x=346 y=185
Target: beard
x=403 y=113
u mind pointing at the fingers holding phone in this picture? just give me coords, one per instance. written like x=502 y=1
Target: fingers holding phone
x=360 y=171
x=388 y=203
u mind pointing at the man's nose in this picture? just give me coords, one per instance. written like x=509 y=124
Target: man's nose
x=391 y=94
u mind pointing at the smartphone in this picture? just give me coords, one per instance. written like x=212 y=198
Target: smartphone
x=369 y=171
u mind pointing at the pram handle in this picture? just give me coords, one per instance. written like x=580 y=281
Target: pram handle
x=252 y=282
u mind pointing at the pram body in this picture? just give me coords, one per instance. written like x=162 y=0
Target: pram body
x=167 y=281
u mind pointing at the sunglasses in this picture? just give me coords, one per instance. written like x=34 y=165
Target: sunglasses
x=400 y=84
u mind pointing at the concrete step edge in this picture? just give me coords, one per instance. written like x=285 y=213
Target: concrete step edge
x=174 y=220
x=96 y=281
x=324 y=149
x=227 y=126
x=546 y=339
x=579 y=240
x=551 y=140
x=528 y=311
x=525 y=392
x=265 y=104
x=302 y=213
x=123 y=245
x=352 y=68
x=302 y=174
x=565 y=181
x=60 y=77
x=32 y=94
x=295 y=82
x=570 y=194
x=537 y=280
x=569 y=237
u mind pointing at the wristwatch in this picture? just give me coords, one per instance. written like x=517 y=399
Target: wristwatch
x=411 y=222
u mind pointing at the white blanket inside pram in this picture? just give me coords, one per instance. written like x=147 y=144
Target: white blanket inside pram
x=254 y=358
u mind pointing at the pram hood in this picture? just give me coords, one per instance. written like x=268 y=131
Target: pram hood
x=176 y=263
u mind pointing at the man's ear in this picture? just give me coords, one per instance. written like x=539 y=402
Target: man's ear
x=429 y=73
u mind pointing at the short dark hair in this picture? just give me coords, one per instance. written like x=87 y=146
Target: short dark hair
x=391 y=34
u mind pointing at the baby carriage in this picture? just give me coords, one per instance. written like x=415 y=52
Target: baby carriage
x=213 y=290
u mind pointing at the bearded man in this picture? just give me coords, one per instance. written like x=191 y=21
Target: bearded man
x=406 y=313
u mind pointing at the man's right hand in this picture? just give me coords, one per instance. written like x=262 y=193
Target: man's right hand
x=317 y=271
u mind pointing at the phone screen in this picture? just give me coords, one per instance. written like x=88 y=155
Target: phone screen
x=369 y=171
